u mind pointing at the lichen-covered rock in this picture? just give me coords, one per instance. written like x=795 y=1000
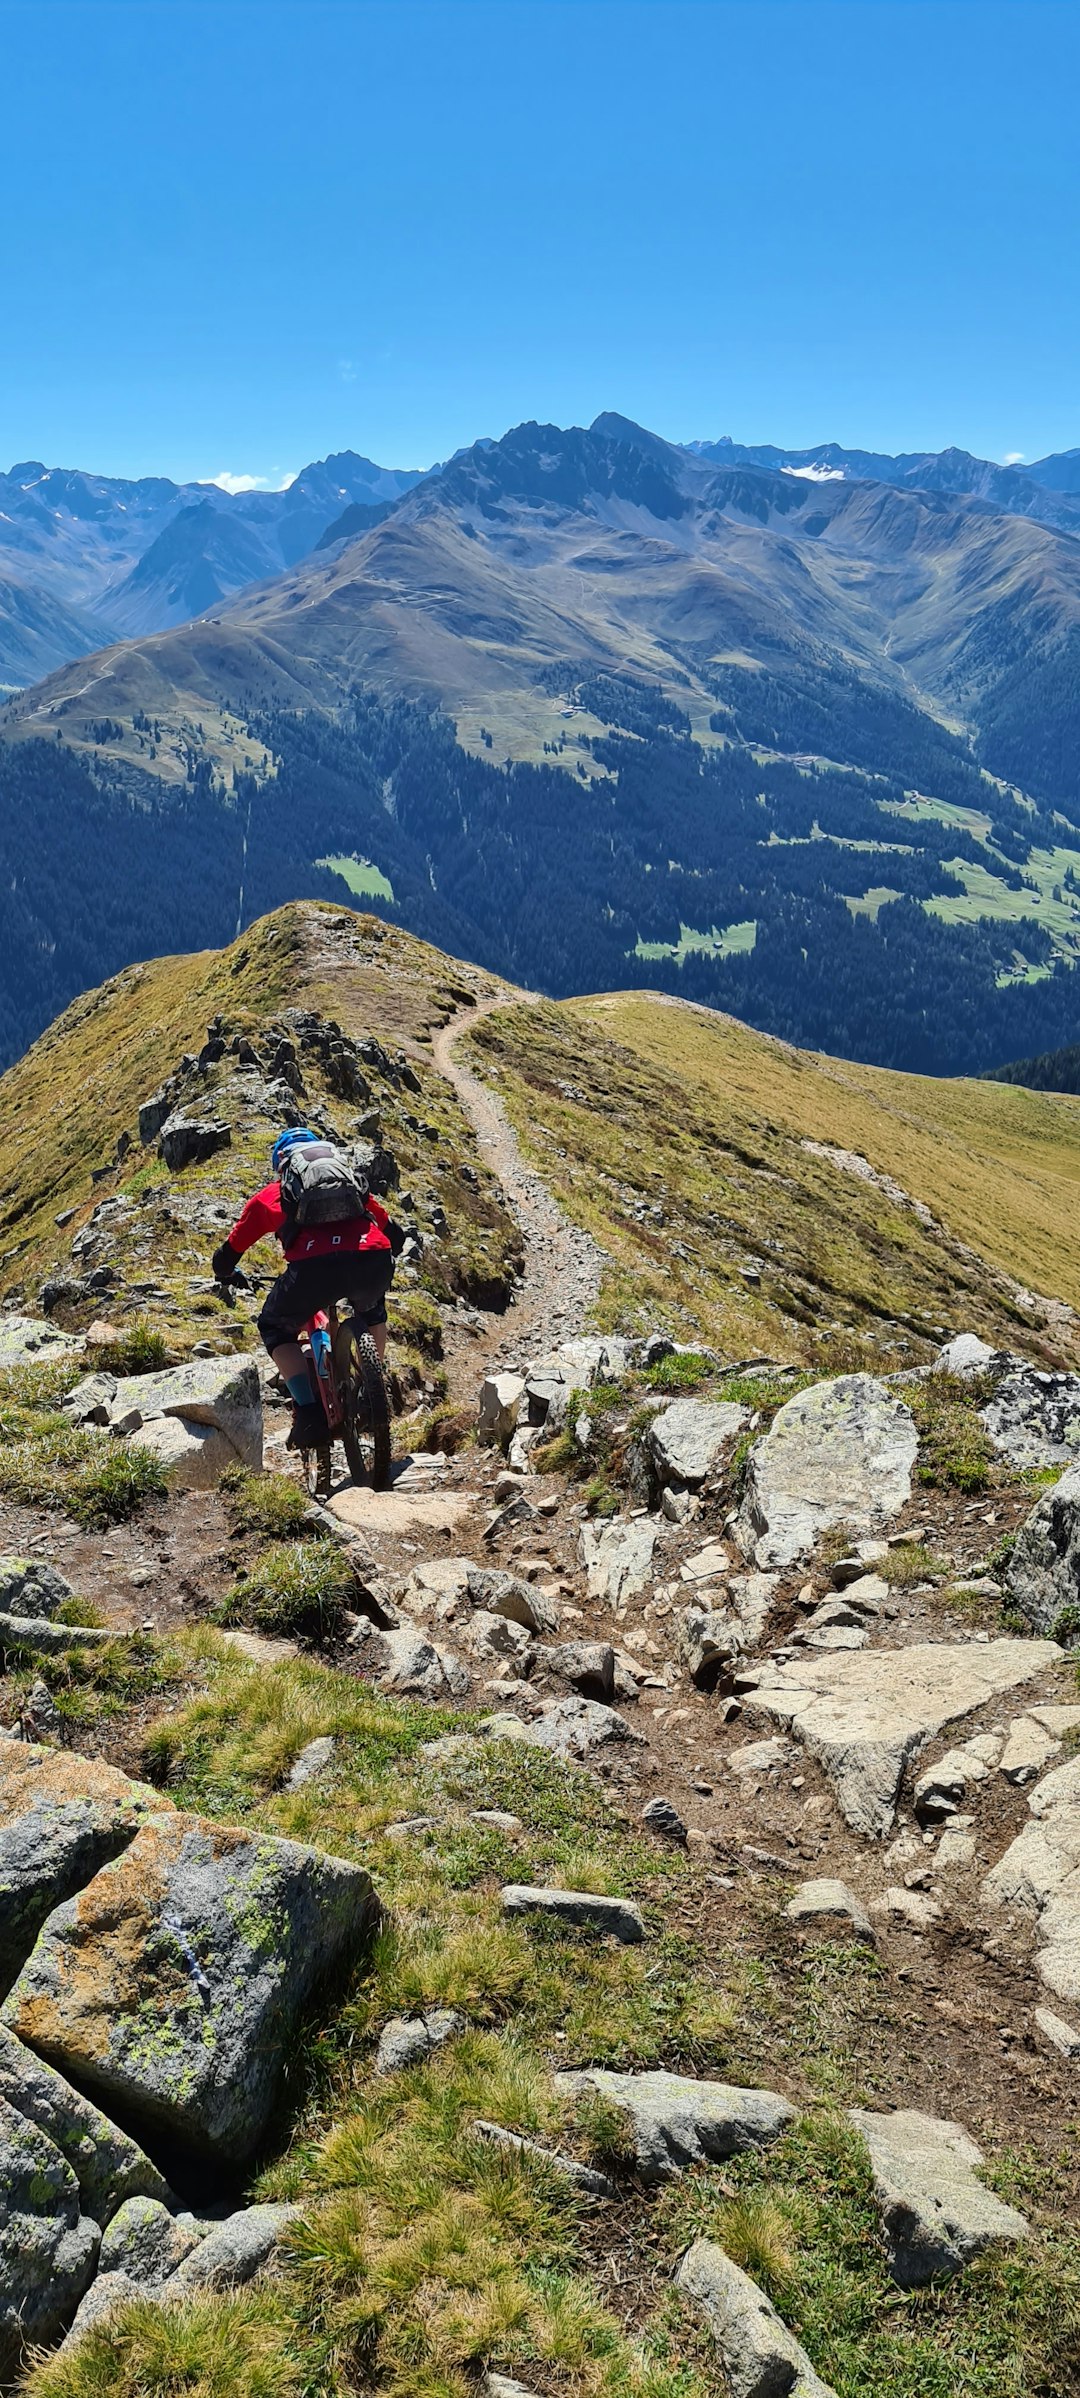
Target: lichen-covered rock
x=145 y=2241
x=1033 y=1418
x=760 y=2356
x=839 y=1453
x=678 y=2121
x=937 y=2214
x=48 y=2249
x=692 y=1439
x=30 y=1586
x=107 y=2166
x=1043 y=1572
x=191 y=1456
x=234 y=2251
x=62 y=1817
x=172 y=1986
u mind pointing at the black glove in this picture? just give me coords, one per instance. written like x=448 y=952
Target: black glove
x=224 y=1262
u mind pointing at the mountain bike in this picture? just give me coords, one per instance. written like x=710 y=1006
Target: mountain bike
x=355 y=1400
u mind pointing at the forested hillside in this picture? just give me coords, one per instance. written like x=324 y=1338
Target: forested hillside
x=820 y=903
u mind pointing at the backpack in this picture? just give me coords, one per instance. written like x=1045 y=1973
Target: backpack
x=320 y=1185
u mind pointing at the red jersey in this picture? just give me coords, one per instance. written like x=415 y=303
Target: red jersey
x=264 y=1214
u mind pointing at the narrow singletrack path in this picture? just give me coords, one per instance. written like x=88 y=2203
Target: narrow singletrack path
x=563 y=1264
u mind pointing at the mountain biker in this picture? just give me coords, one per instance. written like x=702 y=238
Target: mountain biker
x=350 y=1258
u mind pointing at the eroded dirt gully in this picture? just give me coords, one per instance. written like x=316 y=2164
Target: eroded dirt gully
x=563 y=1264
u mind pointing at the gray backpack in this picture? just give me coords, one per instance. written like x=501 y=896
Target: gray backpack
x=320 y=1185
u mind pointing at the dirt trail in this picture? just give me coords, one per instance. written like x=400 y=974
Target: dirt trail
x=563 y=1264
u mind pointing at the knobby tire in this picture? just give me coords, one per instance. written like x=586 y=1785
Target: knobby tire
x=367 y=1410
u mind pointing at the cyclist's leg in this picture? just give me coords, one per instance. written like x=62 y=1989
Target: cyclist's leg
x=371 y=1274
x=288 y=1306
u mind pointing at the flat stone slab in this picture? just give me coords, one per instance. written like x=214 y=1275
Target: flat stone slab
x=109 y=2168
x=62 y=1817
x=937 y=2214
x=617 y=1558
x=864 y=1716
x=841 y=1452
x=678 y=2121
x=173 y=1984
x=829 y=1906
x=760 y=2356
x=692 y=1437
x=395 y=1511
x=584 y=2177
x=582 y=1910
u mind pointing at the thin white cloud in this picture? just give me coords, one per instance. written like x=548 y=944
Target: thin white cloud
x=1013 y=458
x=346 y=370
x=234 y=483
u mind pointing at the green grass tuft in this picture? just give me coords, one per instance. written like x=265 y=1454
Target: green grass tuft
x=298 y=1590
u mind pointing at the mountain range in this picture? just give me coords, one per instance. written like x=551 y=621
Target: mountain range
x=796 y=732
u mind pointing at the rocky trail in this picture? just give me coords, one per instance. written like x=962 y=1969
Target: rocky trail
x=563 y=1265
x=798 y=1653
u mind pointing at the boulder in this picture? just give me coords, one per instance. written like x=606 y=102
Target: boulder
x=145 y=2241
x=234 y=2251
x=576 y=1728
x=190 y=1140
x=941 y=1788
x=108 y=2167
x=172 y=1986
x=580 y=1910
x=937 y=2215
x=659 y=1816
x=46 y=1639
x=30 y=1586
x=48 y=2248
x=677 y=2121
x=617 y=1557
x=967 y=1356
x=759 y=1756
x=219 y=1392
x=191 y=1456
x=494 y=1639
x=521 y=1602
x=406 y=1662
x=588 y=1665
x=499 y=1403
x=62 y=1817
x=1043 y=1572
x=710 y=1643
x=1062 y=2036
x=1028 y=1748
x=866 y=1715
x=839 y=1453
x=760 y=2356
x=693 y=1439
x=829 y=1906
x=1033 y=1418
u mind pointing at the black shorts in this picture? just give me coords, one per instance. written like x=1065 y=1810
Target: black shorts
x=363 y=1276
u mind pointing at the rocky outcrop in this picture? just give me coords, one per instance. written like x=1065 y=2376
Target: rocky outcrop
x=110 y=2168
x=1043 y=1571
x=197 y=1418
x=145 y=2241
x=693 y=1439
x=1039 y=1875
x=172 y=1985
x=48 y=2247
x=31 y=1587
x=617 y=1558
x=839 y=1453
x=760 y=2356
x=62 y=1817
x=677 y=2121
x=1033 y=1418
x=406 y=1661
x=866 y=1715
x=936 y=2213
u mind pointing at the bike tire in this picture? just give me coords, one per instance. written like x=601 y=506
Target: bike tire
x=316 y=1466
x=367 y=1410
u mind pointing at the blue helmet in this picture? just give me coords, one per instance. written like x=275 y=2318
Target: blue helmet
x=290 y=1140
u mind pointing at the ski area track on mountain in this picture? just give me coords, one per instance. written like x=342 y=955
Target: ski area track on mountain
x=563 y=1264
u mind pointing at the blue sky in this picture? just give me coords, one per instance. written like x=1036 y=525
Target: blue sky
x=243 y=233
